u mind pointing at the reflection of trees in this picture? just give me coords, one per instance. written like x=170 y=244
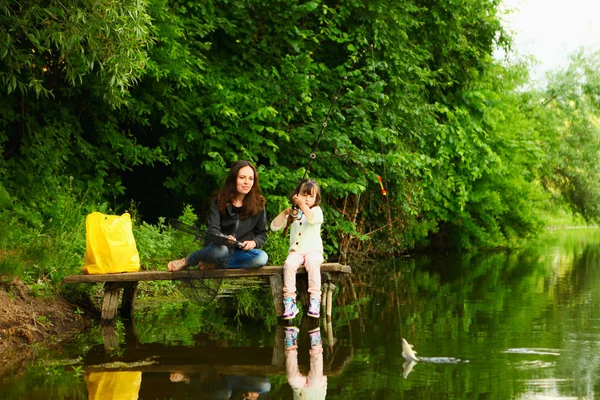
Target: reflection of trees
x=578 y=294
x=477 y=306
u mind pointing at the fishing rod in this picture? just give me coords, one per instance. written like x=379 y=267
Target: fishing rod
x=218 y=239
x=296 y=213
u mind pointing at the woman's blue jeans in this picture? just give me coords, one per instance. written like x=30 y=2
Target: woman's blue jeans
x=218 y=255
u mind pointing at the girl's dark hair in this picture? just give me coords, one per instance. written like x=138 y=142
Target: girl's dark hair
x=254 y=202
x=309 y=186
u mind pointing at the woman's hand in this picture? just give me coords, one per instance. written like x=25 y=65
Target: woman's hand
x=248 y=245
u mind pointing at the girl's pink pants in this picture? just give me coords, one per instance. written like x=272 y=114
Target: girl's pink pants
x=312 y=262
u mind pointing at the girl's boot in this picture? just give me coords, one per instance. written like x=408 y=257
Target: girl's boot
x=290 y=309
x=314 y=307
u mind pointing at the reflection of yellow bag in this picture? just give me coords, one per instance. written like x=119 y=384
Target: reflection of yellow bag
x=109 y=244
x=113 y=385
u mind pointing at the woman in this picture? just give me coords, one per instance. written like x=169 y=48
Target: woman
x=238 y=212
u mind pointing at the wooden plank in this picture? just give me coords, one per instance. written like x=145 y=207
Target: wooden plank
x=111 y=302
x=331 y=268
x=277 y=292
x=225 y=361
x=238 y=370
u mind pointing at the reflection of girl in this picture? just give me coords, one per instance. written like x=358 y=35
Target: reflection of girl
x=237 y=211
x=313 y=385
x=306 y=247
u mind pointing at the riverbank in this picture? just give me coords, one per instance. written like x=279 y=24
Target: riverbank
x=27 y=321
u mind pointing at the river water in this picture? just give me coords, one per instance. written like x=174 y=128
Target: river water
x=505 y=325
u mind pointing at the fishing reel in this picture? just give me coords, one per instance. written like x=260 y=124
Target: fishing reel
x=296 y=213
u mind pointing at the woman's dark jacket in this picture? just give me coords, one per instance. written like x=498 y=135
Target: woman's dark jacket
x=251 y=228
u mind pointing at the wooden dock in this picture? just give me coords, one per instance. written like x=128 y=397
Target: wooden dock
x=128 y=281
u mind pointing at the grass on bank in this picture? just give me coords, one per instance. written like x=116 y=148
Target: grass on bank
x=42 y=253
x=557 y=218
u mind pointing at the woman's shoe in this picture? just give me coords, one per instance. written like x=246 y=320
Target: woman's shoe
x=204 y=267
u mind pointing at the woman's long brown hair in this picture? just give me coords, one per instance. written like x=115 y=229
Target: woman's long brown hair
x=254 y=202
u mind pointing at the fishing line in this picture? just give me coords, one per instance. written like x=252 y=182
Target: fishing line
x=296 y=212
x=206 y=289
x=379 y=178
x=209 y=238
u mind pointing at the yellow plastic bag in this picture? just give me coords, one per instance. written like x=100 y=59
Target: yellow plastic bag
x=123 y=385
x=110 y=245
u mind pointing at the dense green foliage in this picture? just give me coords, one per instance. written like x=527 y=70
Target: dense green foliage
x=145 y=104
x=572 y=140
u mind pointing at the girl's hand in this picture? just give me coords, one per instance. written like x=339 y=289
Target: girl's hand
x=298 y=200
x=248 y=245
x=287 y=211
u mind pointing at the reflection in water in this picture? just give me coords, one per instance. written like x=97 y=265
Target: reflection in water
x=407 y=367
x=541 y=300
x=314 y=384
x=113 y=385
x=214 y=371
x=411 y=358
x=225 y=387
x=552 y=352
x=528 y=321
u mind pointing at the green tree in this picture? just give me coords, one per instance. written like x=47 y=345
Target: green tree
x=47 y=44
x=572 y=134
x=64 y=66
x=421 y=104
x=491 y=151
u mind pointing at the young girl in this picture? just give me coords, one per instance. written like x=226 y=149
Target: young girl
x=306 y=248
x=237 y=211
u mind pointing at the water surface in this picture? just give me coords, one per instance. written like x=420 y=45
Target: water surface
x=505 y=325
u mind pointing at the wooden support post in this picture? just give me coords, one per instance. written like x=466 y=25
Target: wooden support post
x=330 y=289
x=324 y=289
x=278 y=358
x=111 y=302
x=329 y=334
x=302 y=294
x=110 y=338
x=128 y=302
x=326 y=278
x=131 y=336
x=277 y=292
